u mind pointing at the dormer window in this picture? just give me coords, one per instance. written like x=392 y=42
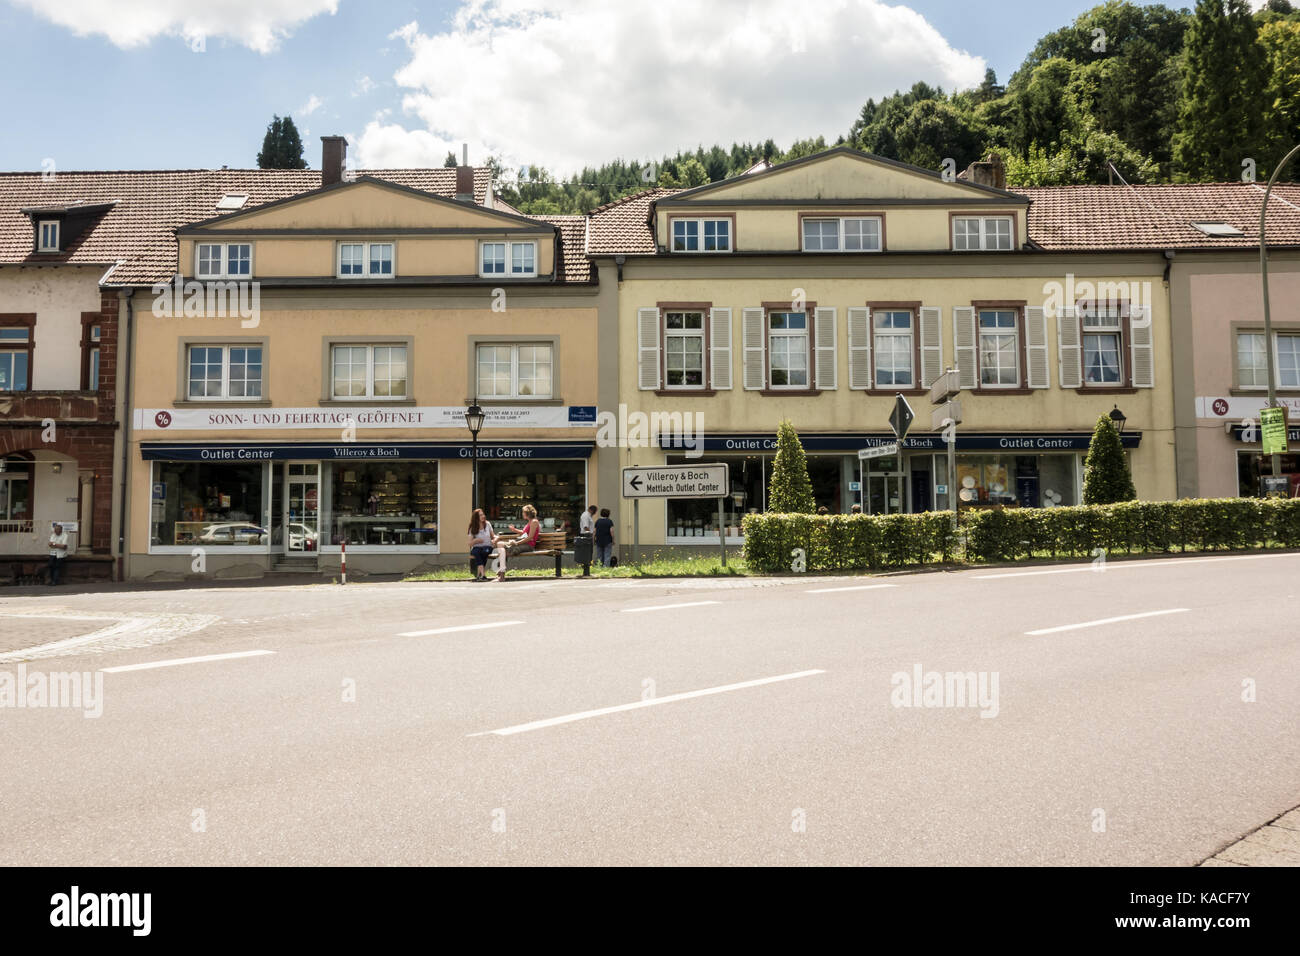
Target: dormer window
x=48 y=236
x=516 y=259
x=846 y=234
x=981 y=232
x=701 y=235
x=362 y=260
x=223 y=260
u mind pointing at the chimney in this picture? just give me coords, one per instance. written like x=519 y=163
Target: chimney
x=465 y=177
x=333 y=153
x=987 y=172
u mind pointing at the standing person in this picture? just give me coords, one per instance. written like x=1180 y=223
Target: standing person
x=527 y=540
x=587 y=523
x=58 y=553
x=604 y=538
x=480 y=542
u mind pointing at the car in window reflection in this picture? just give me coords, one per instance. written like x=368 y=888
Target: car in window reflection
x=234 y=532
x=301 y=537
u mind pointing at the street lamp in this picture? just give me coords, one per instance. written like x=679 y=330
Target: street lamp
x=1263 y=276
x=474 y=422
x=1118 y=419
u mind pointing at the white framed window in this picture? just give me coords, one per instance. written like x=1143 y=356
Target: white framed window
x=222 y=260
x=683 y=349
x=999 y=348
x=224 y=372
x=787 y=349
x=359 y=260
x=842 y=234
x=1252 y=361
x=894 y=348
x=368 y=371
x=517 y=259
x=701 y=235
x=1103 y=352
x=981 y=232
x=510 y=370
x=49 y=236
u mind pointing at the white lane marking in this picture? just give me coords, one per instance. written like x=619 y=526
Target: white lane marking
x=653 y=702
x=1106 y=620
x=665 y=607
x=856 y=587
x=460 y=627
x=128 y=631
x=176 y=661
x=1112 y=565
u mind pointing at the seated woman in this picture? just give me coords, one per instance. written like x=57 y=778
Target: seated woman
x=480 y=542
x=527 y=540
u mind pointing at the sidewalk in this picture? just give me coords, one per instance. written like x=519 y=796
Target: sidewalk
x=1275 y=844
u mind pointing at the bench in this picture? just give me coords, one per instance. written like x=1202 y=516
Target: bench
x=550 y=544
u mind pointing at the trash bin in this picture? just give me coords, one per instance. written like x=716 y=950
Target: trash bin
x=583 y=548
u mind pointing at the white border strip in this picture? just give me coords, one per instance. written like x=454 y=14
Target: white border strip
x=653 y=702
x=176 y=661
x=1106 y=620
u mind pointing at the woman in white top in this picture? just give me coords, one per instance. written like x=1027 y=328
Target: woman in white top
x=480 y=542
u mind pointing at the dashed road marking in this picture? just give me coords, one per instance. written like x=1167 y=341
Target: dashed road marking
x=1105 y=620
x=856 y=587
x=665 y=607
x=459 y=627
x=177 y=661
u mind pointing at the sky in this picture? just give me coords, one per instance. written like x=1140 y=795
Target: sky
x=168 y=84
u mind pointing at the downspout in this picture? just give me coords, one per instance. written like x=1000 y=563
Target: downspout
x=124 y=378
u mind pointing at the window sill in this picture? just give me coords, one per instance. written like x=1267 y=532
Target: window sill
x=796 y=392
x=1006 y=391
x=223 y=403
x=692 y=392
x=366 y=400
x=1107 y=390
x=895 y=391
x=521 y=400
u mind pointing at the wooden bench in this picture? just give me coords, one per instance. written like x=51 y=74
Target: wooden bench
x=550 y=544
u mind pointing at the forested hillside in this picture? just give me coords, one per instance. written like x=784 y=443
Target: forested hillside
x=1165 y=95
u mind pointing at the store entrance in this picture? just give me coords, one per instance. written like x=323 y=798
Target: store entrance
x=299 y=517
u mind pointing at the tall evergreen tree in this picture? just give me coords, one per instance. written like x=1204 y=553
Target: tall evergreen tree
x=790 y=490
x=1107 y=478
x=1220 y=117
x=282 y=146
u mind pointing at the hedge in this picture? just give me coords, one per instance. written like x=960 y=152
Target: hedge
x=875 y=542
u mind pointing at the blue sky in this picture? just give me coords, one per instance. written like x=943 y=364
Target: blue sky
x=555 y=82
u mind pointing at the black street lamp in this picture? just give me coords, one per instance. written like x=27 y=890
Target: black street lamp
x=474 y=422
x=1263 y=278
x=1117 y=417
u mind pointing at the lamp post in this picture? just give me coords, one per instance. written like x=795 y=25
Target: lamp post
x=474 y=422
x=1263 y=276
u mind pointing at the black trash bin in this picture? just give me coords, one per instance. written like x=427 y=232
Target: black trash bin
x=583 y=548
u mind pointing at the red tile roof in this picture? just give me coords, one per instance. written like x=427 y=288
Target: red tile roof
x=137 y=235
x=574 y=266
x=622 y=227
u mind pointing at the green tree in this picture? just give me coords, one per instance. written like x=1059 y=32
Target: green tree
x=1106 y=477
x=451 y=159
x=687 y=174
x=1280 y=40
x=282 y=146
x=1220 y=120
x=935 y=130
x=790 y=490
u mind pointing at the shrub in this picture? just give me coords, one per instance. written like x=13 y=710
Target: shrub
x=847 y=542
x=790 y=490
x=1106 y=477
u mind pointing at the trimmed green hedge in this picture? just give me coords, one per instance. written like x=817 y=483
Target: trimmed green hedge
x=847 y=542
x=1133 y=527
x=874 y=542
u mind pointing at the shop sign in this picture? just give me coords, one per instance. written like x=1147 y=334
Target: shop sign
x=1239 y=407
x=361 y=417
x=1249 y=434
x=284 y=451
x=1023 y=442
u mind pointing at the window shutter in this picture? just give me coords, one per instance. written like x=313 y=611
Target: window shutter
x=1140 y=348
x=826 y=332
x=859 y=348
x=752 y=321
x=1068 y=342
x=931 y=319
x=965 y=344
x=1036 y=341
x=720 y=348
x=647 y=353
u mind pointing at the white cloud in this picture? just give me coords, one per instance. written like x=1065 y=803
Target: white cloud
x=564 y=83
x=364 y=86
x=313 y=103
x=257 y=24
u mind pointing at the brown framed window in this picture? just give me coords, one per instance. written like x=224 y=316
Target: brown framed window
x=789 y=349
x=895 y=348
x=1000 y=340
x=684 y=348
x=91 y=334
x=17 y=343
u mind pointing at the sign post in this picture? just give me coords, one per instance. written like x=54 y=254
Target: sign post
x=676 y=481
x=945 y=418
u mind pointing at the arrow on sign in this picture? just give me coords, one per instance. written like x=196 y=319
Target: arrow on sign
x=635 y=482
x=900 y=419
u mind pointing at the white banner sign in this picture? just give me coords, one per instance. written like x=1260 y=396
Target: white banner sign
x=361 y=418
x=1238 y=407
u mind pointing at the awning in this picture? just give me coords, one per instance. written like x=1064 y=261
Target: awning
x=359 y=451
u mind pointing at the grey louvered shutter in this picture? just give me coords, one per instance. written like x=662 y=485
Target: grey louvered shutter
x=751 y=333
x=1068 y=345
x=1141 y=348
x=965 y=345
x=859 y=348
x=647 y=352
x=826 y=333
x=931 y=319
x=720 y=348
x=1036 y=346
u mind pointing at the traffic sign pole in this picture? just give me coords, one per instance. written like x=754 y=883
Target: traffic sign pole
x=722 y=532
x=636 y=530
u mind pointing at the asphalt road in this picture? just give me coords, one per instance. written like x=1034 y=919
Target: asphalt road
x=1126 y=742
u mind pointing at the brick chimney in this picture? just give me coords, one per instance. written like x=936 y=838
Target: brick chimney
x=333 y=153
x=465 y=177
x=987 y=172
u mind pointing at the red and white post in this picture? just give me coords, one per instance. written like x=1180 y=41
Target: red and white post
x=343 y=561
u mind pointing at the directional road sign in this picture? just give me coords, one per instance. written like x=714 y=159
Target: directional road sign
x=900 y=419
x=677 y=481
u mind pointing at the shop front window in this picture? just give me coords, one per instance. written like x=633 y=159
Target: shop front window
x=1025 y=481
x=695 y=520
x=1252 y=467
x=15 y=490
x=383 y=504
x=201 y=504
x=556 y=488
